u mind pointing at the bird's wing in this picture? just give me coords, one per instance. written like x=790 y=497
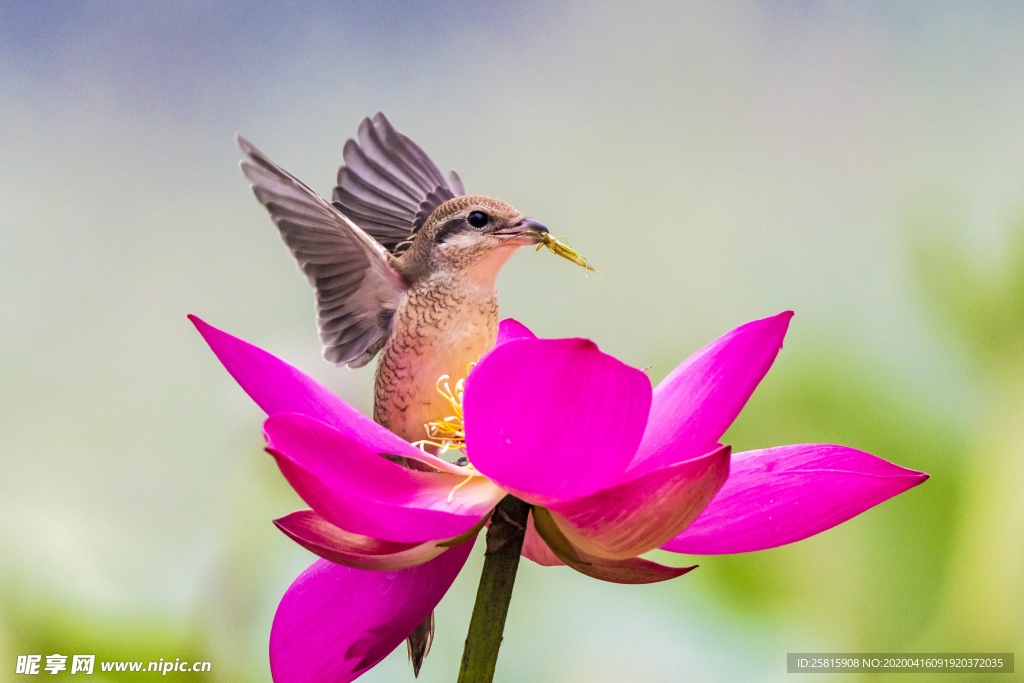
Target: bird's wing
x=357 y=290
x=389 y=186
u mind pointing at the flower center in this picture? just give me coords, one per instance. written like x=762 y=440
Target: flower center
x=448 y=433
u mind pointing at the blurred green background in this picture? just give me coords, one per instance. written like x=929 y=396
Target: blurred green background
x=859 y=163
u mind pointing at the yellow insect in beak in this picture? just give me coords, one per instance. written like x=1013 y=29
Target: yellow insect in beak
x=556 y=247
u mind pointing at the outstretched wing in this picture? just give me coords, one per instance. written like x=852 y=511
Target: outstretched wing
x=357 y=290
x=389 y=186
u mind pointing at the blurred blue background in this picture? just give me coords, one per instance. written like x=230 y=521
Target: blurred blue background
x=861 y=164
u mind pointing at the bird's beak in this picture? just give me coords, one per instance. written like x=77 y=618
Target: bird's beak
x=527 y=231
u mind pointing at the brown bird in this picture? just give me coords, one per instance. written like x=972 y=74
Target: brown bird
x=403 y=261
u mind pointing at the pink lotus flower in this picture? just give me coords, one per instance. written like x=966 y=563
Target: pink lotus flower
x=612 y=468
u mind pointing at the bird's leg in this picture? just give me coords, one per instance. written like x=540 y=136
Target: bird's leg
x=505 y=538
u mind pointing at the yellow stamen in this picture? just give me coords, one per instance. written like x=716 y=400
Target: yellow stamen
x=471 y=473
x=449 y=433
x=422 y=443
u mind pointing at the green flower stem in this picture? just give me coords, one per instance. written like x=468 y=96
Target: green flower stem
x=504 y=544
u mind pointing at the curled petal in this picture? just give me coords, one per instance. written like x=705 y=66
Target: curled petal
x=637 y=516
x=357 y=490
x=510 y=329
x=278 y=387
x=534 y=547
x=630 y=571
x=633 y=571
x=553 y=419
x=696 y=403
x=316 y=534
x=334 y=623
x=781 y=495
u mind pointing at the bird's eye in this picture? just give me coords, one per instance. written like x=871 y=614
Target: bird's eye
x=477 y=219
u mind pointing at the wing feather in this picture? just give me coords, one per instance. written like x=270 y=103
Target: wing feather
x=357 y=290
x=388 y=185
x=362 y=166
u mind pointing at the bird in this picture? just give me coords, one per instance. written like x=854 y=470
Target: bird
x=403 y=263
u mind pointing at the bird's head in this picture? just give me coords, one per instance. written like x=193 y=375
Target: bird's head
x=471 y=236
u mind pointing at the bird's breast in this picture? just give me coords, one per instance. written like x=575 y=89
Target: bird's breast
x=439 y=329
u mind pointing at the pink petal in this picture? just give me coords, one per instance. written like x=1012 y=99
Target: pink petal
x=316 y=534
x=357 y=490
x=781 y=495
x=334 y=623
x=553 y=419
x=534 y=547
x=278 y=387
x=509 y=329
x=697 y=402
x=637 y=516
x=630 y=571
